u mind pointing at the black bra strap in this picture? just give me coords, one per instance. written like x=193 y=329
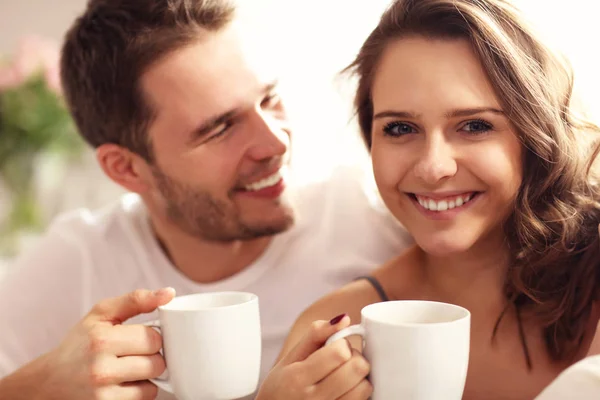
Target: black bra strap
x=376 y=285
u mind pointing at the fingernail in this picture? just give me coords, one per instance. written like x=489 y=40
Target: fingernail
x=336 y=320
x=164 y=291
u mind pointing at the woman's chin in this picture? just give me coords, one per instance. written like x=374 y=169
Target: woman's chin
x=443 y=248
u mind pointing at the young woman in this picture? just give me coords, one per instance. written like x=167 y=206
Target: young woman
x=477 y=151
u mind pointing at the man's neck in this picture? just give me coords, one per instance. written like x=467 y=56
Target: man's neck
x=205 y=261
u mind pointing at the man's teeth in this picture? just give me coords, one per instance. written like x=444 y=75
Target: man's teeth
x=444 y=205
x=264 y=183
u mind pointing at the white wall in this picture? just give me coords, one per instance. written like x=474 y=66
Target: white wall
x=44 y=17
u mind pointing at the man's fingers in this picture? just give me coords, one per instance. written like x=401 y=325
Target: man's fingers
x=119 y=309
x=115 y=371
x=362 y=391
x=139 y=368
x=125 y=340
x=314 y=339
x=143 y=390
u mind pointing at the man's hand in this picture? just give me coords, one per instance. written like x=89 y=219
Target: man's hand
x=100 y=358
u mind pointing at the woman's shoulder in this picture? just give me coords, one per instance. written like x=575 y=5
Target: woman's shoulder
x=382 y=285
x=353 y=297
x=349 y=299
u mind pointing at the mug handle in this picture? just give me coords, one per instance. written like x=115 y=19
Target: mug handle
x=349 y=331
x=162 y=381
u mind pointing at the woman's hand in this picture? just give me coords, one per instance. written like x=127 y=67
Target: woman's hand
x=311 y=371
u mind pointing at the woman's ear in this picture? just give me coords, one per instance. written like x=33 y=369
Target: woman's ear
x=124 y=167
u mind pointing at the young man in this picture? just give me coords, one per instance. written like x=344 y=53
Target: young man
x=182 y=116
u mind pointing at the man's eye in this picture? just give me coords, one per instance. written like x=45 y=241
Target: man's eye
x=219 y=130
x=270 y=100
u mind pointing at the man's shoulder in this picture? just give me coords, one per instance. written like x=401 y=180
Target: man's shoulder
x=106 y=221
x=78 y=239
x=85 y=233
x=346 y=197
x=343 y=227
x=343 y=186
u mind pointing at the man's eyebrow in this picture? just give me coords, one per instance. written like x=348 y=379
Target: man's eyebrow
x=269 y=87
x=212 y=123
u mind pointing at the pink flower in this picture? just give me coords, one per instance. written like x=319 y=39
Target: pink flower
x=8 y=79
x=34 y=54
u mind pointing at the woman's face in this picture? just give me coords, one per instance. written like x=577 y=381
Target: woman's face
x=447 y=161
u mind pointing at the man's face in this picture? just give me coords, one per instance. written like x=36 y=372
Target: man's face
x=220 y=140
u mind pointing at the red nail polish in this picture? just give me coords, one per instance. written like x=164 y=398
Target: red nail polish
x=337 y=319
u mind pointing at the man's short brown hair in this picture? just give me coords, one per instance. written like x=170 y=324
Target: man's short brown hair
x=108 y=49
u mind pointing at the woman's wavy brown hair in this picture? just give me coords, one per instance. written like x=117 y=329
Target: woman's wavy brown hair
x=553 y=230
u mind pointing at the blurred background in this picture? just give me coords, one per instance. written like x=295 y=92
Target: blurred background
x=45 y=169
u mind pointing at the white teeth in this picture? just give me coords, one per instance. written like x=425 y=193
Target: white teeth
x=444 y=205
x=432 y=205
x=264 y=183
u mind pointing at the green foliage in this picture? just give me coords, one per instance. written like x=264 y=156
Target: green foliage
x=33 y=120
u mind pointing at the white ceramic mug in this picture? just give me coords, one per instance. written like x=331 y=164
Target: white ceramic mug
x=211 y=344
x=418 y=350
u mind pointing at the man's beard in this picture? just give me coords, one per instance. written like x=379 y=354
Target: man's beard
x=200 y=214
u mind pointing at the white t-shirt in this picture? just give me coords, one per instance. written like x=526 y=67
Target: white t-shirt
x=342 y=231
x=581 y=381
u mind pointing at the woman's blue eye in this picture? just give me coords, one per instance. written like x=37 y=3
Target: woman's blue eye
x=396 y=129
x=477 y=126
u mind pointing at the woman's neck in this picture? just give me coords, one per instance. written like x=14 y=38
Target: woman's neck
x=474 y=279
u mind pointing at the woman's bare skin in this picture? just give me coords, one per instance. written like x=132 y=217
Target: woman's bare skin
x=497 y=365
